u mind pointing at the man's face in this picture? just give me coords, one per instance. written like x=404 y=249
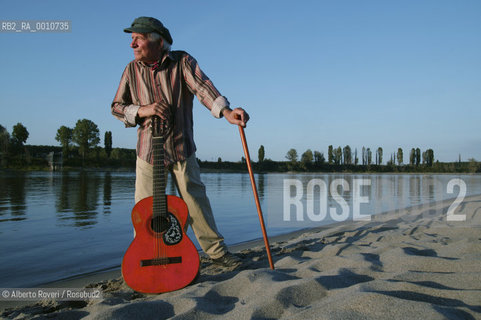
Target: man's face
x=144 y=50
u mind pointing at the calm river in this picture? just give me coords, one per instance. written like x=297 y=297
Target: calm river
x=55 y=225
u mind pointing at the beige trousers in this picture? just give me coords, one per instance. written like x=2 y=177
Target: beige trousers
x=186 y=175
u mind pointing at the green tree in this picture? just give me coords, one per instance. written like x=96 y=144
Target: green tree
x=369 y=156
x=4 y=139
x=337 y=156
x=347 y=155
x=319 y=158
x=418 y=156
x=261 y=153
x=379 y=155
x=4 y=142
x=330 y=155
x=108 y=143
x=429 y=157
x=307 y=158
x=399 y=156
x=412 y=157
x=85 y=135
x=291 y=156
x=19 y=134
x=64 y=136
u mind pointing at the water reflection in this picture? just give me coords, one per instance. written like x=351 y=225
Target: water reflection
x=4 y=198
x=376 y=182
x=13 y=196
x=78 y=195
x=107 y=192
x=415 y=189
x=78 y=198
x=261 y=184
x=245 y=182
x=63 y=199
x=400 y=187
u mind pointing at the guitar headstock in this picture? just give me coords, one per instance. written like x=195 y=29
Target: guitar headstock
x=160 y=127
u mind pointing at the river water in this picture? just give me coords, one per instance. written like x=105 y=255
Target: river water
x=55 y=225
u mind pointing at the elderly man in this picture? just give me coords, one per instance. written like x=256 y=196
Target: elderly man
x=162 y=82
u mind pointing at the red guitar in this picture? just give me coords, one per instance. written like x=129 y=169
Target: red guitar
x=161 y=257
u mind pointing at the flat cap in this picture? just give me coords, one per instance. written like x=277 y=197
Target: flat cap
x=147 y=25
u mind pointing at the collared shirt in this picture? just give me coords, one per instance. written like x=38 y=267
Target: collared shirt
x=173 y=82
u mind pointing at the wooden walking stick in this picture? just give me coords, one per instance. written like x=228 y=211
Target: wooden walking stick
x=254 y=189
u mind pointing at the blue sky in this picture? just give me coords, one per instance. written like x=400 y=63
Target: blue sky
x=368 y=73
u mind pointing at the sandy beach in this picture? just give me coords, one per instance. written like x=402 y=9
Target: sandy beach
x=408 y=264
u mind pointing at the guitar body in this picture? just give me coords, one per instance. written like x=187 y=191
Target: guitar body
x=160 y=260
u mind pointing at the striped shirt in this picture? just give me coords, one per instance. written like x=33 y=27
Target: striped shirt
x=173 y=82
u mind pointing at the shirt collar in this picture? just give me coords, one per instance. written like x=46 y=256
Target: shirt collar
x=161 y=63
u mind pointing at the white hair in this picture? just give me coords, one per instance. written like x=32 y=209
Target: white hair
x=155 y=37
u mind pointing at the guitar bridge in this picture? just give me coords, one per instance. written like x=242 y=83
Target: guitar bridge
x=160 y=261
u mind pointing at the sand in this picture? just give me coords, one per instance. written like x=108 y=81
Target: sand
x=409 y=264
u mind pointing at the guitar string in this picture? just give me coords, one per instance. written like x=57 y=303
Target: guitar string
x=162 y=195
x=160 y=200
x=158 y=207
x=155 y=224
x=163 y=129
x=159 y=130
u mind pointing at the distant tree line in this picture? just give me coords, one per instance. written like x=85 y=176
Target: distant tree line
x=79 y=146
x=343 y=159
x=344 y=156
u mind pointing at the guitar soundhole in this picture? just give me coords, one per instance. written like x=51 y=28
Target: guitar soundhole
x=160 y=224
x=169 y=227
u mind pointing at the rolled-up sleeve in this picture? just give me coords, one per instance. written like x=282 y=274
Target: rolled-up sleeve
x=219 y=104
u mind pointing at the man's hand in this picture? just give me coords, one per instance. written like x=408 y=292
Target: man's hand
x=154 y=109
x=237 y=116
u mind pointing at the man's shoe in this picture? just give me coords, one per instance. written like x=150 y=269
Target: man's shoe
x=228 y=260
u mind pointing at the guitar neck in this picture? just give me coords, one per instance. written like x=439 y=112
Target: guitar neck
x=159 y=178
